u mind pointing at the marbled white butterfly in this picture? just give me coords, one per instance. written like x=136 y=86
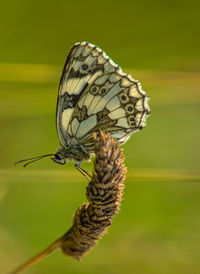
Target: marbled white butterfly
x=94 y=93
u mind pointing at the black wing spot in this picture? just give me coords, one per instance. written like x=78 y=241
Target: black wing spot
x=84 y=67
x=70 y=100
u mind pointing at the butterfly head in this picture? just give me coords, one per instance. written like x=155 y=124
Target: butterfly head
x=73 y=153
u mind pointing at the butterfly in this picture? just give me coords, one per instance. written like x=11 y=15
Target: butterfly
x=94 y=93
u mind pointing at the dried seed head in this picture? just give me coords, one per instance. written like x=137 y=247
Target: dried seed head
x=104 y=194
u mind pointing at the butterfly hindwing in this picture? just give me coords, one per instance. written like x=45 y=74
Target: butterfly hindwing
x=95 y=94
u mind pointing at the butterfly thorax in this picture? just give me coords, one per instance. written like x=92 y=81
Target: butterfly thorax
x=73 y=152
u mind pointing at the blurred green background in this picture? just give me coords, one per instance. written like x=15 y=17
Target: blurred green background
x=157 y=230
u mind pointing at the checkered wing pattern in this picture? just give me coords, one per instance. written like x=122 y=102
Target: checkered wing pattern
x=94 y=93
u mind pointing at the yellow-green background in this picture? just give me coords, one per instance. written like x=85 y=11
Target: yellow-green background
x=158 y=228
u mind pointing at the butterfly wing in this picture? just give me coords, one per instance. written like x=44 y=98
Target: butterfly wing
x=81 y=68
x=102 y=96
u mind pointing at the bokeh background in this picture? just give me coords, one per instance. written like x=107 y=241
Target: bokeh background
x=158 y=42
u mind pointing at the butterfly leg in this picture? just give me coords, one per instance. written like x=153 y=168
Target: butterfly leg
x=84 y=172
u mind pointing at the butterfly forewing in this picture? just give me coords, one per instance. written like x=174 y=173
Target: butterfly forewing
x=78 y=72
x=94 y=93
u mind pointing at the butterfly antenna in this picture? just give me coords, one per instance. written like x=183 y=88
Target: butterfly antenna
x=31 y=160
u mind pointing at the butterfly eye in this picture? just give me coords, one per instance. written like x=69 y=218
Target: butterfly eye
x=123 y=97
x=94 y=90
x=131 y=121
x=58 y=157
x=103 y=91
x=130 y=108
